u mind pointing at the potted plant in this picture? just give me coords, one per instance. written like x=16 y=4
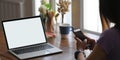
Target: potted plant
x=47 y=15
x=63 y=6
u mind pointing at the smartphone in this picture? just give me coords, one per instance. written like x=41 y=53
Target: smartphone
x=78 y=33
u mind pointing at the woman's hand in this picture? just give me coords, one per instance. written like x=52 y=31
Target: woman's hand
x=80 y=44
x=91 y=42
x=86 y=44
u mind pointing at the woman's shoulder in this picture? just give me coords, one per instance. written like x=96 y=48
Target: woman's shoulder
x=109 y=39
x=109 y=35
x=110 y=32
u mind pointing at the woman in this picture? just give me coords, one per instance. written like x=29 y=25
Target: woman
x=108 y=45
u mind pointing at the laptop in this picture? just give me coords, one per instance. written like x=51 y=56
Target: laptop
x=25 y=38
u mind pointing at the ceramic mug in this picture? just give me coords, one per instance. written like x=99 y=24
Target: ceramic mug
x=65 y=28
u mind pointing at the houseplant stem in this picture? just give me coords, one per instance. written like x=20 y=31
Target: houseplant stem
x=62 y=18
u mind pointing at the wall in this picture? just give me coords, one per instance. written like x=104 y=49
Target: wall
x=76 y=13
x=27 y=6
x=26 y=9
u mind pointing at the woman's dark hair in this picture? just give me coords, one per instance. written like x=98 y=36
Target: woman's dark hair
x=110 y=9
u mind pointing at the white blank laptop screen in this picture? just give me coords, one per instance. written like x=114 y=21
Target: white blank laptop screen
x=24 y=32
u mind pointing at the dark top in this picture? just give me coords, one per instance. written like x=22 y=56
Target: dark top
x=110 y=42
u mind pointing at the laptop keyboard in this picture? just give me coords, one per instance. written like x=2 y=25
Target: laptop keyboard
x=33 y=48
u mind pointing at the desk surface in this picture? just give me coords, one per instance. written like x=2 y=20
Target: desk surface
x=67 y=45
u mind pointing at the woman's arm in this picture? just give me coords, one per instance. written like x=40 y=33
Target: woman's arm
x=97 y=54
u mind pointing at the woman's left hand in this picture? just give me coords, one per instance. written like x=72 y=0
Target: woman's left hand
x=81 y=44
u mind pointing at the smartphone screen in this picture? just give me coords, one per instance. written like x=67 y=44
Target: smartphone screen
x=78 y=33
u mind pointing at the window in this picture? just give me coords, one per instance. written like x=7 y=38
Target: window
x=91 y=17
x=67 y=17
x=36 y=5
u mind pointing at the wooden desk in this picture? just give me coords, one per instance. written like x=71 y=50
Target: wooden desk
x=67 y=45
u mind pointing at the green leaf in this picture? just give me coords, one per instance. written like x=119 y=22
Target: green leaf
x=48 y=6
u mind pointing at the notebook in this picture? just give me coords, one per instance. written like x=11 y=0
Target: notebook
x=25 y=38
